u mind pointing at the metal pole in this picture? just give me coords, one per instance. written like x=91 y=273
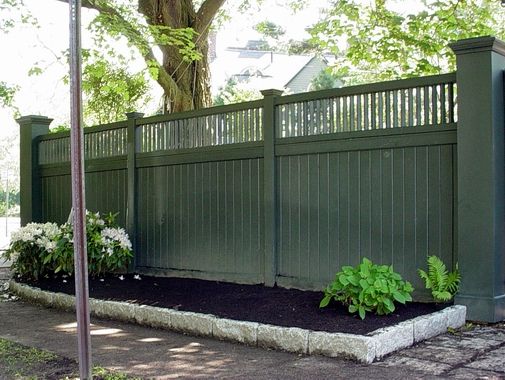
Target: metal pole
x=7 y=205
x=78 y=203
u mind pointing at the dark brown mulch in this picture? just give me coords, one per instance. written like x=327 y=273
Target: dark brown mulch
x=256 y=303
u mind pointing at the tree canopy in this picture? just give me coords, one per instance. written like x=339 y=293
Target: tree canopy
x=377 y=40
x=373 y=40
x=7 y=93
x=110 y=91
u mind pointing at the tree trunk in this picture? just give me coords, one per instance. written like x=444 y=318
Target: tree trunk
x=186 y=85
x=192 y=79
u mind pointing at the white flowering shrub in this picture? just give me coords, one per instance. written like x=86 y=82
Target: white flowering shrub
x=29 y=248
x=109 y=247
x=39 y=249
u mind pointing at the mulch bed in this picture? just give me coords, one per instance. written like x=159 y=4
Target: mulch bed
x=255 y=303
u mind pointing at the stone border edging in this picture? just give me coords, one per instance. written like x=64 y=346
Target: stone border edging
x=363 y=348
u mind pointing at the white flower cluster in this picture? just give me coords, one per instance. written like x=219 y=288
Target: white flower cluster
x=119 y=235
x=38 y=234
x=94 y=218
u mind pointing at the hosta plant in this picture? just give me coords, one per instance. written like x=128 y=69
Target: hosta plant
x=442 y=283
x=368 y=288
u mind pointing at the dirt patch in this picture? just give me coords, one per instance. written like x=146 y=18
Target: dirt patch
x=255 y=303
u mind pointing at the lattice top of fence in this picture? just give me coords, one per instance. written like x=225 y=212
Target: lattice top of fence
x=99 y=142
x=238 y=123
x=397 y=104
x=406 y=103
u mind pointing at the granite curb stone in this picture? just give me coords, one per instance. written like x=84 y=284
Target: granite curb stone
x=358 y=347
x=426 y=327
x=291 y=339
x=365 y=349
x=236 y=331
x=153 y=316
x=193 y=323
x=63 y=301
x=394 y=338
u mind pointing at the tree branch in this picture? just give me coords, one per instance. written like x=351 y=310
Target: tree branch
x=164 y=79
x=205 y=14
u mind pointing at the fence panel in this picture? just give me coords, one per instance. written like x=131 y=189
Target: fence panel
x=105 y=192
x=393 y=206
x=202 y=219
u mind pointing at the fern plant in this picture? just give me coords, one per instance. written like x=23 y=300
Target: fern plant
x=443 y=284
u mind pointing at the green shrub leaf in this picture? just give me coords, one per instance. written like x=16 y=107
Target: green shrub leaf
x=368 y=287
x=399 y=297
x=362 y=312
x=325 y=301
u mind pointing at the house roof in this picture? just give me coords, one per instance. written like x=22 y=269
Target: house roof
x=266 y=69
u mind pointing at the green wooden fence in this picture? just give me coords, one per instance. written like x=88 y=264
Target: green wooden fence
x=365 y=171
x=283 y=190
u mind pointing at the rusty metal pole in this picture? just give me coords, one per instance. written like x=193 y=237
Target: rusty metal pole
x=78 y=199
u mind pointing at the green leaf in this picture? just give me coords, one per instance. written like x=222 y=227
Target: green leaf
x=343 y=279
x=325 y=301
x=390 y=307
x=443 y=284
x=354 y=280
x=364 y=283
x=362 y=312
x=399 y=297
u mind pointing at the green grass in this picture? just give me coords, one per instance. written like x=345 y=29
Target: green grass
x=28 y=363
x=22 y=362
x=105 y=374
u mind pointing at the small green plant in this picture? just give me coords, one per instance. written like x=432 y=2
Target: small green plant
x=368 y=288
x=443 y=284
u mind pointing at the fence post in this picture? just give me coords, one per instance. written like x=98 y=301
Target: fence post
x=131 y=208
x=481 y=182
x=270 y=202
x=30 y=193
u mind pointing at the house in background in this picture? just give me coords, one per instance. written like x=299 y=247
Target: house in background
x=258 y=69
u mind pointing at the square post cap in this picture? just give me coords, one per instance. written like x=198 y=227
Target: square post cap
x=478 y=44
x=34 y=119
x=271 y=92
x=134 y=115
